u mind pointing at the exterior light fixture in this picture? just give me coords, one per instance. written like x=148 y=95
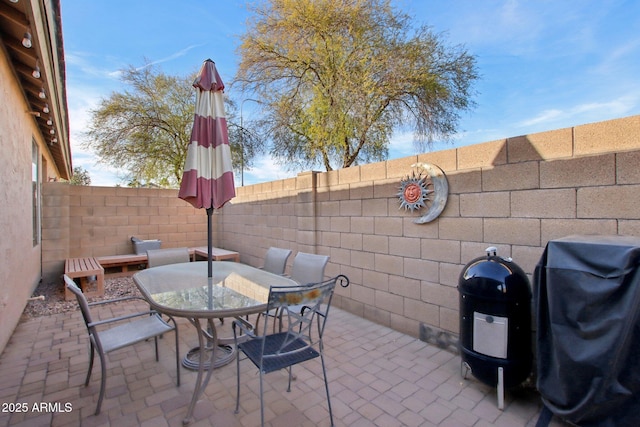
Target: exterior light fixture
x=45 y=109
x=52 y=131
x=26 y=40
x=42 y=94
x=49 y=122
x=36 y=71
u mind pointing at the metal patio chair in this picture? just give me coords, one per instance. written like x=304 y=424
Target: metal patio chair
x=306 y=268
x=158 y=257
x=145 y=325
x=294 y=345
x=275 y=260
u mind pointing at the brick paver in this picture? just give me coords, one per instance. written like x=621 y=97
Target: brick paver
x=378 y=377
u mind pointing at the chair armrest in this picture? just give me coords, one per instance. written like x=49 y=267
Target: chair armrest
x=246 y=328
x=120 y=318
x=306 y=307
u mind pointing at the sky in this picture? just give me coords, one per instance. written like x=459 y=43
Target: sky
x=543 y=64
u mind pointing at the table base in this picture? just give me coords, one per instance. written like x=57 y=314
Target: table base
x=224 y=355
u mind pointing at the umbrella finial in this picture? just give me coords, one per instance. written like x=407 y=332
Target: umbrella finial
x=208 y=78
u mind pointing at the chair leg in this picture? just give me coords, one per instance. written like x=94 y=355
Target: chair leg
x=175 y=331
x=266 y=315
x=91 y=357
x=326 y=387
x=103 y=380
x=237 y=383
x=277 y=315
x=155 y=341
x=261 y=400
x=255 y=328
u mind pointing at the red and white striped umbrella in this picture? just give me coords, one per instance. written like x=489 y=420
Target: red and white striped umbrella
x=207 y=180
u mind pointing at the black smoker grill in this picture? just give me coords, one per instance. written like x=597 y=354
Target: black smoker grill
x=495 y=322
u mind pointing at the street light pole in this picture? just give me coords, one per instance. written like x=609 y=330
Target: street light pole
x=242 y=139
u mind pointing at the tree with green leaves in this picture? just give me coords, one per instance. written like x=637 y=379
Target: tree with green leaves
x=336 y=79
x=146 y=129
x=80 y=176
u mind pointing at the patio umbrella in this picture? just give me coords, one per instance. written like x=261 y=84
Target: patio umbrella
x=207 y=180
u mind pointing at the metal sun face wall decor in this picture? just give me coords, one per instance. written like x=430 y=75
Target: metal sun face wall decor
x=426 y=188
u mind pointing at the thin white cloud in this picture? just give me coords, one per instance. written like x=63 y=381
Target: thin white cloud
x=81 y=100
x=544 y=117
x=402 y=144
x=85 y=65
x=615 y=59
x=83 y=95
x=171 y=57
x=586 y=112
x=265 y=169
x=100 y=174
x=511 y=27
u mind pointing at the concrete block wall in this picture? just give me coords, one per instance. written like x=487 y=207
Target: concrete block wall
x=515 y=194
x=80 y=221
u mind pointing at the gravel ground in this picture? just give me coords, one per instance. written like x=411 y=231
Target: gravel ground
x=55 y=303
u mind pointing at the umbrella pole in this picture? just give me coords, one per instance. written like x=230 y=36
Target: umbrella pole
x=224 y=353
x=209 y=242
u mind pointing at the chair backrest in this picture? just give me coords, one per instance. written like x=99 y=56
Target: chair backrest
x=275 y=260
x=316 y=300
x=308 y=268
x=157 y=257
x=82 y=301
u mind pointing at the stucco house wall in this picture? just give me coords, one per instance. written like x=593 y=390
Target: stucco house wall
x=20 y=261
x=28 y=119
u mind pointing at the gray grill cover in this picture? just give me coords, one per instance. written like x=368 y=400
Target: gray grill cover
x=587 y=299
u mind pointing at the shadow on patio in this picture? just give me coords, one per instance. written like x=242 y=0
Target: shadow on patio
x=377 y=377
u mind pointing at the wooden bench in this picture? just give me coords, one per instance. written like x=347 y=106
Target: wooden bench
x=217 y=254
x=122 y=265
x=83 y=269
x=128 y=264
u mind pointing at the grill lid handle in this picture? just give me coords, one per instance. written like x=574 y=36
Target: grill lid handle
x=491 y=249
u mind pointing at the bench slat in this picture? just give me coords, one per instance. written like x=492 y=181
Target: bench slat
x=217 y=254
x=83 y=268
x=114 y=260
x=126 y=261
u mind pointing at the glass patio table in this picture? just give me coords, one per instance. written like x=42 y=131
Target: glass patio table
x=184 y=290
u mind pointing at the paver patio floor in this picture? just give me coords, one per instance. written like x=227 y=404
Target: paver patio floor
x=377 y=377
